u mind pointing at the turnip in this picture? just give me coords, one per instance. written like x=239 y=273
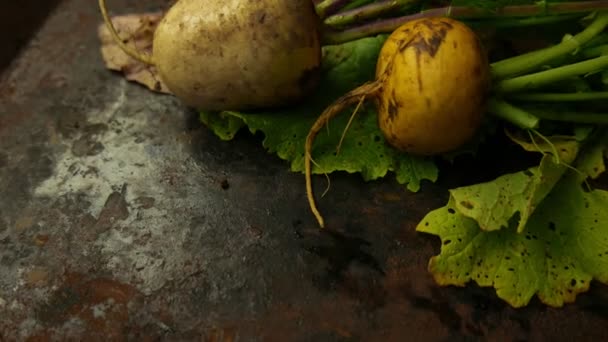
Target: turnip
x=431 y=86
x=240 y=54
x=235 y=54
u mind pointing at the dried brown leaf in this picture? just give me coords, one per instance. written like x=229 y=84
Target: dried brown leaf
x=137 y=30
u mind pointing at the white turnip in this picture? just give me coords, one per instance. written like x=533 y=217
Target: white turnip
x=235 y=54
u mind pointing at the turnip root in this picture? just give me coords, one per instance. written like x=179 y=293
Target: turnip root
x=235 y=54
x=436 y=78
x=431 y=86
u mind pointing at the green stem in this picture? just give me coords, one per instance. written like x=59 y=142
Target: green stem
x=529 y=61
x=523 y=22
x=560 y=97
x=512 y=114
x=600 y=39
x=384 y=26
x=542 y=78
x=370 y=11
x=575 y=117
x=356 y=3
x=328 y=7
x=595 y=51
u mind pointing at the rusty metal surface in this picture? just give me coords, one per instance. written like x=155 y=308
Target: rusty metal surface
x=121 y=218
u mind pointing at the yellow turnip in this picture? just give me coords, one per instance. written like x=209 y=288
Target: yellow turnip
x=432 y=80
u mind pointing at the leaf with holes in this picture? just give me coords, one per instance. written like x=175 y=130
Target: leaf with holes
x=363 y=150
x=493 y=205
x=564 y=247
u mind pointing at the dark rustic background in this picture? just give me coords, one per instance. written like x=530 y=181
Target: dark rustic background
x=122 y=218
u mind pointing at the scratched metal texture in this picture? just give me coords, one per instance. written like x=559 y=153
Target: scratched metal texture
x=122 y=218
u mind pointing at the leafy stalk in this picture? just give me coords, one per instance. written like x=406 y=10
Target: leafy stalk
x=529 y=61
x=356 y=3
x=512 y=114
x=523 y=22
x=561 y=97
x=328 y=7
x=463 y=13
x=572 y=116
x=595 y=51
x=372 y=10
x=542 y=78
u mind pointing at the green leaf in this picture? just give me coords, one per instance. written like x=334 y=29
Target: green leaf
x=564 y=248
x=364 y=149
x=224 y=126
x=595 y=152
x=493 y=205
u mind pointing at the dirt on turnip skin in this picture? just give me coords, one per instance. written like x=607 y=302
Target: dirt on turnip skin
x=436 y=78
